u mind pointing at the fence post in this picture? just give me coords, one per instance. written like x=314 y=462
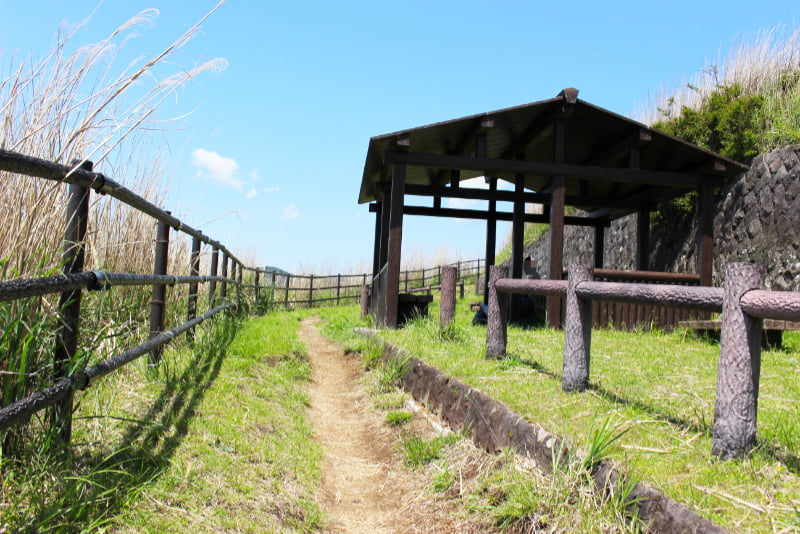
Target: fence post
x=338 y=287
x=447 y=306
x=497 y=322
x=257 y=293
x=194 y=267
x=212 y=286
x=461 y=289
x=364 y=300
x=311 y=291
x=577 y=332
x=286 y=297
x=239 y=278
x=69 y=303
x=739 y=366
x=159 y=291
x=223 y=287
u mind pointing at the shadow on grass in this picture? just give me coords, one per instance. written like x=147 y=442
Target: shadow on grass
x=111 y=478
x=770 y=450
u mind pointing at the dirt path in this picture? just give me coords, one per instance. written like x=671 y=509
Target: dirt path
x=365 y=487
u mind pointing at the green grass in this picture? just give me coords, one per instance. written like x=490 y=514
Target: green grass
x=399 y=417
x=216 y=439
x=659 y=389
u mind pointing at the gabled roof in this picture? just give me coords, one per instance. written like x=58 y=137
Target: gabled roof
x=608 y=159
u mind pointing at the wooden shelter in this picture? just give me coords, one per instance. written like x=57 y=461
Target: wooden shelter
x=558 y=152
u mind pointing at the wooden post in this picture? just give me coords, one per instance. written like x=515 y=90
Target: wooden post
x=212 y=286
x=739 y=368
x=447 y=306
x=557 y=228
x=395 y=244
x=577 y=332
x=310 y=291
x=338 y=287
x=257 y=293
x=517 y=240
x=69 y=303
x=194 y=270
x=376 y=254
x=157 y=300
x=705 y=259
x=286 y=295
x=223 y=289
x=491 y=238
x=599 y=245
x=497 y=322
x=364 y=300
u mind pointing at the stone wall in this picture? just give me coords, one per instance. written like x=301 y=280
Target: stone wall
x=757 y=219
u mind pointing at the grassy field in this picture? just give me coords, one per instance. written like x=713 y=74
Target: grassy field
x=659 y=390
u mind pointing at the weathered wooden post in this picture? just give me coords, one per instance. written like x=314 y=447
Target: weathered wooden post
x=223 y=287
x=310 y=291
x=69 y=303
x=497 y=322
x=286 y=295
x=158 y=297
x=739 y=365
x=212 y=286
x=194 y=269
x=338 y=287
x=447 y=306
x=577 y=332
x=364 y=300
x=257 y=293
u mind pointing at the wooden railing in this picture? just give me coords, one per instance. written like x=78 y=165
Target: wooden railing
x=743 y=302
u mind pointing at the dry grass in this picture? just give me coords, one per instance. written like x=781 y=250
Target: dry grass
x=758 y=64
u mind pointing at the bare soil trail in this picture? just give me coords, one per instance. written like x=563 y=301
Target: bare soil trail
x=365 y=486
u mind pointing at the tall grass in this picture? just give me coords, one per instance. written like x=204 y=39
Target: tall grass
x=765 y=65
x=77 y=103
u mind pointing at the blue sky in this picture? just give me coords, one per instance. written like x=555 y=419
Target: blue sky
x=270 y=159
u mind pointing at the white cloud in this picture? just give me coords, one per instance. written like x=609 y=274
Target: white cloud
x=254 y=175
x=268 y=190
x=290 y=212
x=251 y=193
x=216 y=168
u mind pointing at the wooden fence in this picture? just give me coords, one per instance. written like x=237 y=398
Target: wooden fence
x=744 y=305
x=308 y=290
x=74 y=280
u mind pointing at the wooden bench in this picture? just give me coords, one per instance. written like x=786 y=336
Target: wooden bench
x=410 y=305
x=771 y=338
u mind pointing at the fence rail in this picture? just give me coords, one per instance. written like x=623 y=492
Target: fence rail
x=743 y=302
x=293 y=290
x=74 y=280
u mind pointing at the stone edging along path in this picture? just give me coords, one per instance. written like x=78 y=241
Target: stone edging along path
x=492 y=426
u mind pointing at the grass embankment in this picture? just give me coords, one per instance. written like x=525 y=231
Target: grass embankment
x=659 y=388
x=217 y=441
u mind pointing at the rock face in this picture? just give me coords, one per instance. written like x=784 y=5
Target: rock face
x=757 y=219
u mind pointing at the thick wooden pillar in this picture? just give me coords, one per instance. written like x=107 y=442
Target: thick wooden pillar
x=643 y=240
x=705 y=260
x=385 y=211
x=517 y=241
x=395 y=243
x=557 y=228
x=599 y=245
x=376 y=253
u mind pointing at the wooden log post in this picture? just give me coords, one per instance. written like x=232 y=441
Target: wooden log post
x=223 y=288
x=286 y=295
x=158 y=296
x=194 y=270
x=310 y=291
x=364 y=300
x=739 y=365
x=257 y=293
x=69 y=303
x=447 y=306
x=577 y=332
x=497 y=322
x=212 y=286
